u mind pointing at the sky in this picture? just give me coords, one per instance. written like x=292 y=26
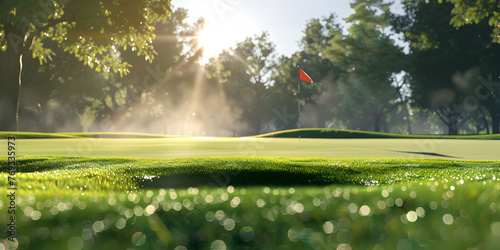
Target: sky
x=231 y=21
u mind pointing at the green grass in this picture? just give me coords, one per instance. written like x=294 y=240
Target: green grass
x=341 y=133
x=316 y=148
x=255 y=203
x=87 y=191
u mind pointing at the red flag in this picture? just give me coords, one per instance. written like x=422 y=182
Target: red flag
x=303 y=76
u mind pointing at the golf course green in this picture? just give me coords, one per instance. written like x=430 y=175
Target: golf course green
x=96 y=192
x=465 y=149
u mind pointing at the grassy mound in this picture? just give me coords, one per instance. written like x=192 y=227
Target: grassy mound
x=340 y=133
x=292 y=133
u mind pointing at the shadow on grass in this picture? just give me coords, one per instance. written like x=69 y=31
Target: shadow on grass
x=428 y=153
x=26 y=165
x=241 y=178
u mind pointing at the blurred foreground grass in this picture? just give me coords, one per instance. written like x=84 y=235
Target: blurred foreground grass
x=254 y=203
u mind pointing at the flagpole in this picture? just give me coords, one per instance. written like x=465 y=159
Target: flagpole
x=301 y=75
x=298 y=95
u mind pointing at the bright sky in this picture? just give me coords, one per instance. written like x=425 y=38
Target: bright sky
x=231 y=21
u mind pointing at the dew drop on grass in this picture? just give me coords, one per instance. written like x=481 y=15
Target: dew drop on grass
x=328 y=227
x=420 y=212
x=75 y=243
x=209 y=216
x=411 y=216
x=293 y=235
x=162 y=192
x=261 y=203
x=433 y=205
x=399 y=202
x=413 y=194
x=224 y=196
x=364 y=210
x=35 y=215
x=54 y=211
x=299 y=208
x=138 y=211
x=448 y=219
x=209 y=198
x=177 y=206
x=247 y=234
x=219 y=215
x=150 y=209
x=218 y=245
x=235 y=202
x=385 y=193
x=173 y=195
x=381 y=205
x=390 y=202
x=316 y=202
x=229 y=224
x=352 y=208
x=344 y=246
x=98 y=226
x=138 y=239
x=120 y=223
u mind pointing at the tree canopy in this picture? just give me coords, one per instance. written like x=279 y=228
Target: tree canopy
x=92 y=31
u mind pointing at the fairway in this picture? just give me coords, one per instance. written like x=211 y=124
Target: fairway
x=462 y=149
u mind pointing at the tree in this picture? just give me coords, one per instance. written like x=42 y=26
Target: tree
x=317 y=98
x=246 y=72
x=446 y=62
x=142 y=91
x=88 y=30
x=370 y=60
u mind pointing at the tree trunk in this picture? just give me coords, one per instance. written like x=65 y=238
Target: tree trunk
x=408 y=116
x=453 y=127
x=495 y=122
x=377 y=122
x=10 y=89
x=495 y=117
x=485 y=121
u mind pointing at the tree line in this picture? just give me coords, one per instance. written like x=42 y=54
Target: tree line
x=104 y=66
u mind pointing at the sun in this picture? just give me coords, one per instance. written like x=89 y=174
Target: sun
x=213 y=40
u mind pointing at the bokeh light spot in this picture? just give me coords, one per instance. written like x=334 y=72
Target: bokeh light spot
x=138 y=239
x=448 y=219
x=218 y=245
x=247 y=234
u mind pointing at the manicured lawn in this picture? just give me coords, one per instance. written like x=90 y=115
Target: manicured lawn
x=360 y=190
x=255 y=203
x=324 y=148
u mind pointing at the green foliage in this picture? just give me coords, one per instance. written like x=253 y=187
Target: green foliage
x=446 y=64
x=370 y=59
x=91 y=31
x=466 y=12
x=247 y=72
